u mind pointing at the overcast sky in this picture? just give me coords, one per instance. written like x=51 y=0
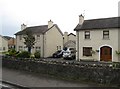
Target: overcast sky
x=64 y=13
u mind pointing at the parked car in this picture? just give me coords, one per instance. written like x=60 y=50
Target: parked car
x=58 y=54
x=69 y=53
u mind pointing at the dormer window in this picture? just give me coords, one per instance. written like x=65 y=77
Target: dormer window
x=106 y=34
x=87 y=34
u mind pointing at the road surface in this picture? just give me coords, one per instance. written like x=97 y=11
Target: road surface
x=34 y=80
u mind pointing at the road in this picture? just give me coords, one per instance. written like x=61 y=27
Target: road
x=34 y=80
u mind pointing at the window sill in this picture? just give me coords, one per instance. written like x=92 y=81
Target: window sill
x=87 y=56
x=106 y=39
x=87 y=39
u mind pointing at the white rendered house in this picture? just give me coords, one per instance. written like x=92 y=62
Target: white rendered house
x=98 y=39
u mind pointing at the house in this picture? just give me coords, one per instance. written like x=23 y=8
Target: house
x=11 y=42
x=98 y=39
x=69 y=40
x=3 y=44
x=48 y=38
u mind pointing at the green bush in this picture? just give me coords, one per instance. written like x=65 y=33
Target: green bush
x=37 y=54
x=32 y=56
x=11 y=52
x=23 y=54
x=116 y=64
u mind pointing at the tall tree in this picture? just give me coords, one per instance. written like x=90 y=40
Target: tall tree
x=29 y=40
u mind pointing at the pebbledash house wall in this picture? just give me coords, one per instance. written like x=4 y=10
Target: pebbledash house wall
x=3 y=44
x=96 y=41
x=119 y=41
x=72 y=37
x=38 y=43
x=52 y=39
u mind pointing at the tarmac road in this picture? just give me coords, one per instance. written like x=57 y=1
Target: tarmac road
x=34 y=80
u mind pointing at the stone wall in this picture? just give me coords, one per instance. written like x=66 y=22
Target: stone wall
x=98 y=73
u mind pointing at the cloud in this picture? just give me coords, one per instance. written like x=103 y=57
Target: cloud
x=62 y=12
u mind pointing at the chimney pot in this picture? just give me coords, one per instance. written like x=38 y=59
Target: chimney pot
x=50 y=24
x=23 y=26
x=81 y=19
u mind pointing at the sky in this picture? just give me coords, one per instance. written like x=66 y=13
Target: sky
x=64 y=13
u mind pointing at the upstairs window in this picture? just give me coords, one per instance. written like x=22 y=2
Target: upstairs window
x=20 y=48
x=20 y=37
x=4 y=48
x=87 y=34
x=87 y=51
x=38 y=49
x=105 y=34
x=38 y=37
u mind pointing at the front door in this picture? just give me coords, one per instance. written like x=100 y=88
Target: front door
x=105 y=53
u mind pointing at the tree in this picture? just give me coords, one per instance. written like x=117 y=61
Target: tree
x=29 y=40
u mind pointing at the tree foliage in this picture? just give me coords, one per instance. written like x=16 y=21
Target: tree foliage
x=29 y=40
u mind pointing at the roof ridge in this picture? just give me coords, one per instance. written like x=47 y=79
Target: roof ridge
x=101 y=23
x=102 y=18
x=37 y=26
x=71 y=33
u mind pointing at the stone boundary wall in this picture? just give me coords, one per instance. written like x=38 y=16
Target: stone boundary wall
x=98 y=73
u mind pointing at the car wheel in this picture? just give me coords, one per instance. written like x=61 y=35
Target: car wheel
x=55 y=56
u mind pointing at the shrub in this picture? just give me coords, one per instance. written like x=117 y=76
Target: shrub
x=116 y=64
x=37 y=54
x=11 y=52
x=32 y=56
x=23 y=54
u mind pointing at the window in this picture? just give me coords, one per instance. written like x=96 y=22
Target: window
x=58 y=47
x=38 y=49
x=38 y=37
x=87 y=51
x=87 y=34
x=0 y=48
x=20 y=48
x=4 y=48
x=20 y=37
x=25 y=48
x=105 y=34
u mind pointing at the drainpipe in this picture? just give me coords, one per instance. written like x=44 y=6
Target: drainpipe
x=43 y=45
x=77 y=46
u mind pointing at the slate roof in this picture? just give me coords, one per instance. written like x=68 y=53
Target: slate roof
x=3 y=37
x=103 y=23
x=7 y=37
x=69 y=42
x=71 y=34
x=38 y=29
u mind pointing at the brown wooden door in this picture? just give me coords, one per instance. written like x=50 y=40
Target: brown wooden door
x=106 y=53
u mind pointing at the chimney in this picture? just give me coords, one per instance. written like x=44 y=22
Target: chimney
x=50 y=24
x=23 y=26
x=81 y=19
x=65 y=37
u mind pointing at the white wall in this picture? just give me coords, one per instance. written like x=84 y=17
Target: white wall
x=3 y=44
x=65 y=37
x=72 y=37
x=77 y=45
x=53 y=39
x=119 y=41
x=38 y=43
x=97 y=41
